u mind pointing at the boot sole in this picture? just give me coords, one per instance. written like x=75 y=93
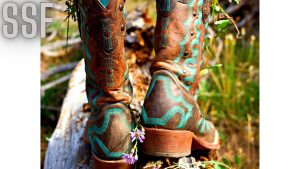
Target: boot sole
x=174 y=143
x=110 y=164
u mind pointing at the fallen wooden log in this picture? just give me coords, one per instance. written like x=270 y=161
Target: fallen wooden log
x=66 y=149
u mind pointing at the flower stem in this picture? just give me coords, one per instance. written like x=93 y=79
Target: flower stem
x=215 y=162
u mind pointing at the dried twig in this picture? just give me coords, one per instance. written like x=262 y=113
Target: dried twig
x=54 y=83
x=232 y=21
x=58 y=69
x=232 y=9
x=52 y=35
x=49 y=50
x=51 y=108
x=246 y=19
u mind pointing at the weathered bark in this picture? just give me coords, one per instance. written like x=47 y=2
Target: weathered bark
x=66 y=148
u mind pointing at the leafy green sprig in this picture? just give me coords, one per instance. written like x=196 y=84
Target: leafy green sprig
x=221 y=25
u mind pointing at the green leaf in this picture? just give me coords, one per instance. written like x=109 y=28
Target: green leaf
x=215 y=1
x=219 y=166
x=222 y=24
x=216 y=8
x=237 y=1
x=226 y=162
x=204 y=71
x=217 y=65
x=237 y=161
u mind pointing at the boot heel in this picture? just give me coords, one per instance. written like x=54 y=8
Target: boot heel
x=110 y=164
x=167 y=143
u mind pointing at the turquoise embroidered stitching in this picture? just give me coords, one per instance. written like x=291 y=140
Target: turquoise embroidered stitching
x=92 y=101
x=166 y=6
x=204 y=127
x=164 y=33
x=105 y=149
x=83 y=25
x=176 y=109
x=82 y=11
x=104 y=2
x=108 y=113
x=107 y=35
x=183 y=42
x=103 y=128
x=88 y=56
x=195 y=44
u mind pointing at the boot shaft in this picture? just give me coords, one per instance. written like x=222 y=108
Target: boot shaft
x=179 y=39
x=102 y=29
x=170 y=108
x=170 y=102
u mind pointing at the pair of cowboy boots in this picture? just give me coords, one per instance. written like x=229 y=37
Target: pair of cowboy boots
x=171 y=116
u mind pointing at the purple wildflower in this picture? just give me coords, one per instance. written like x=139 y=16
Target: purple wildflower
x=130 y=158
x=137 y=134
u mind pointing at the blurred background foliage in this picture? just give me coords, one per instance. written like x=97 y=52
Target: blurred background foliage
x=229 y=94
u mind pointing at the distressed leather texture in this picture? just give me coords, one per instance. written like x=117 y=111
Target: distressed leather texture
x=109 y=92
x=171 y=100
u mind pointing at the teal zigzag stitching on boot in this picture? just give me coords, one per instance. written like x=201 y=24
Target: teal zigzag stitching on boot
x=92 y=101
x=195 y=97
x=104 y=2
x=86 y=50
x=88 y=56
x=106 y=150
x=164 y=33
x=195 y=44
x=206 y=25
x=94 y=139
x=124 y=12
x=127 y=70
x=204 y=126
x=83 y=24
x=87 y=68
x=108 y=113
x=165 y=5
x=187 y=23
x=170 y=113
x=82 y=11
x=184 y=41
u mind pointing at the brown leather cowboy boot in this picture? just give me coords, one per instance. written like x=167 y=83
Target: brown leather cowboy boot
x=109 y=92
x=173 y=122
